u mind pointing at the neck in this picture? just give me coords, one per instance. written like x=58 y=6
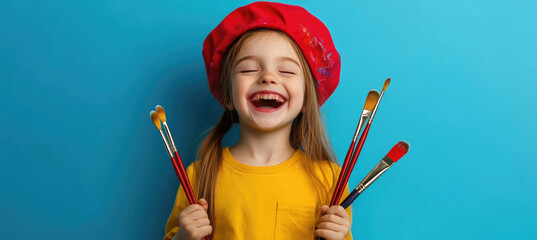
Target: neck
x=263 y=148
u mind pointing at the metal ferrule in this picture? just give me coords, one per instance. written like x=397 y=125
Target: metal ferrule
x=363 y=118
x=166 y=143
x=376 y=107
x=172 y=143
x=381 y=167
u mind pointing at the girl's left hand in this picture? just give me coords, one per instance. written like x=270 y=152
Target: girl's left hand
x=334 y=223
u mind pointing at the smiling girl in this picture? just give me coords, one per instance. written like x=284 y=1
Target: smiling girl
x=271 y=66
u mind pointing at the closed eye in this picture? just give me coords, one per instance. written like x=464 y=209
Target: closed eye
x=248 y=71
x=288 y=72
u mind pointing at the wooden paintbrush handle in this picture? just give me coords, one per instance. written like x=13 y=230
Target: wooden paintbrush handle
x=186 y=184
x=342 y=174
x=353 y=161
x=349 y=199
x=181 y=177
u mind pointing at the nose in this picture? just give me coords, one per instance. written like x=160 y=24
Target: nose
x=267 y=78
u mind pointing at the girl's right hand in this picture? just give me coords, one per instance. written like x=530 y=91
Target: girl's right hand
x=194 y=222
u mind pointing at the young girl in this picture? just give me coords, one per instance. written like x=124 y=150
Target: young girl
x=271 y=66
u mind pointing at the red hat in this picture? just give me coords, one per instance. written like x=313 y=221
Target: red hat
x=309 y=33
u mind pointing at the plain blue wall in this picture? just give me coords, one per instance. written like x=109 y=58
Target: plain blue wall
x=81 y=159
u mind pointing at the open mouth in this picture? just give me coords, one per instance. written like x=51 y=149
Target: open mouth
x=268 y=101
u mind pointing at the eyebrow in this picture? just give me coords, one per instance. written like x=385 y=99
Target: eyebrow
x=290 y=59
x=246 y=58
x=256 y=58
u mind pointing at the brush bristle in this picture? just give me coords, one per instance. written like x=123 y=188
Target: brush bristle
x=371 y=100
x=398 y=151
x=161 y=113
x=386 y=83
x=155 y=119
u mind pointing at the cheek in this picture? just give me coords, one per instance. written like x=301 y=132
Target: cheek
x=238 y=89
x=299 y=92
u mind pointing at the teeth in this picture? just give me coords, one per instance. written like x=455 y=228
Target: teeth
x=265 y=96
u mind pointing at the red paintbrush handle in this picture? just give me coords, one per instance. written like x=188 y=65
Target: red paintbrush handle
x=342 y=174
x=182 y=180
x=353 y=161
x=178 y=165
x=186 y=185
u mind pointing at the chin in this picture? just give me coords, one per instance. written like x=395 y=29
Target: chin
x=266 y=125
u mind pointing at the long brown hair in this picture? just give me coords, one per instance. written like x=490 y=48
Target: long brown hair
x=307 y=131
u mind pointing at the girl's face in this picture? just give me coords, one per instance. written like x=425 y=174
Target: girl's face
x=267 y=82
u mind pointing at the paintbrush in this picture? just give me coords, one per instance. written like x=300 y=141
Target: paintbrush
x=360 y=144
x=186 y=184
x=370 y=102
x=396 y=153
x=157 y=117
x=156 y=120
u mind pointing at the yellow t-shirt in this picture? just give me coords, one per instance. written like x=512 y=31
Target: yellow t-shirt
x=259 y=203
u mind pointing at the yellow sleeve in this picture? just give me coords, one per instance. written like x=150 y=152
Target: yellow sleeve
x=181 y=202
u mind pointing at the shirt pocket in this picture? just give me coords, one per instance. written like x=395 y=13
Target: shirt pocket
x=294 y=221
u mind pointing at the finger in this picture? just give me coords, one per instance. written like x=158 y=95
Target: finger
x=326 y=234
x=323 y=212
x=197 y=215
x=333 y=219
x=204 y=203
x=190 y=209
x=323 y=209
x=333 y=227
x=338 y=210
x=188 y=216
x=204 y=231
x=201 y=222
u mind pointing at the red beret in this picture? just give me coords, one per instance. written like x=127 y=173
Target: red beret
x=309 y=33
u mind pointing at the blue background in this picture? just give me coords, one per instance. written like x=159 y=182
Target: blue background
x=81 y=159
